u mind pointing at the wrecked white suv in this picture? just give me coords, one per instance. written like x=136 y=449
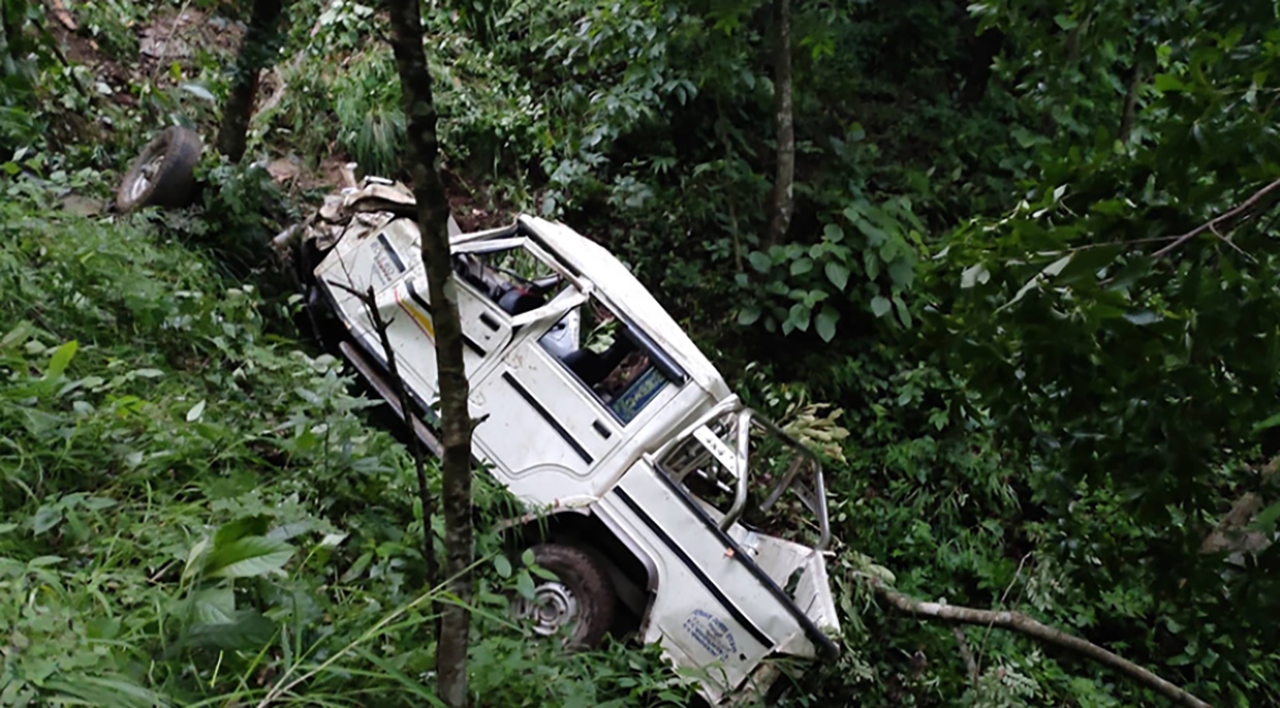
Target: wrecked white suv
x=663 y=505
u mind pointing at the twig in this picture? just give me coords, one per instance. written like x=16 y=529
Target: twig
x=415 y=445
x=1018 y=622
x=164 y=46
x=1213 y=223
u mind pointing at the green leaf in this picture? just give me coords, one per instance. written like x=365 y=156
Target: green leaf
x=904 y=314
x=524 y=584
x=838 y=274
x=871 y=263
x=799 y=316
x=60 y=359
x=749 y=314
x=214 y=605
x=46 y=518
x=801 y=266
x=1271 y=422
x=255 y=525
x=760 y=261
x=196 y=411
x=880 y=305
x=503 y=565
x=1087 y=262
x=248 y=557
x=248 y=630
x=1266 y=519
x=902 y=272
x=1166 y=83
x=825 y=323
x=833 y=233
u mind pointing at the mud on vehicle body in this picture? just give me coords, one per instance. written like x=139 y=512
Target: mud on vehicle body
x=661 y=504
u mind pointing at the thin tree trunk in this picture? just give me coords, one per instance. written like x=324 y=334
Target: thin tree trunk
x=455 y=419
x=783 y=185
x=255 y=53
x=1019 y=622
x=1130 y=101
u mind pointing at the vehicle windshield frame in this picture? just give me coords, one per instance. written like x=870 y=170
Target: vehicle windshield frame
x=745 y=419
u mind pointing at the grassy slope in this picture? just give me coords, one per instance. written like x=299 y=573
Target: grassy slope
x=193 y=509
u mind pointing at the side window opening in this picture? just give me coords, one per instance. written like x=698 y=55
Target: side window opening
x=516 y=280
x=608 y=357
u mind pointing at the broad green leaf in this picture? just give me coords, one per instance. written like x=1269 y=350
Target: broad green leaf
x=46 y=518
x=837 y=273
x=61 y=359
x=248 y=557
x=871 y=263
x=833 y=233
x=1266 y=519
x=825 y=323
x=255 y=525
x=902 y=272
x=248 y=630
x=904 y=314
x=749 y=314
x=801 y=266
x=502 y=565
x=1087 y=262
x=524 y=584
x=799 y=316
x=880 y=305
x=196 y=411
x=214 y=605
x=760 y=261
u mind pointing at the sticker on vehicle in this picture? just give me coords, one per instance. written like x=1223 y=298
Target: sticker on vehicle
x=711 y=633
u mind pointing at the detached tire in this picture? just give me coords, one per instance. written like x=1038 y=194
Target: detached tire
x=164 y=174
x=580 y=602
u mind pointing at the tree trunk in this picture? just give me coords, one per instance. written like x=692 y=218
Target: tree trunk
x=255 y=53
x=783 y=196
x=455 y=419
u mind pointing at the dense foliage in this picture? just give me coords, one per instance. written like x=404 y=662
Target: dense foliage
x=1048 y=412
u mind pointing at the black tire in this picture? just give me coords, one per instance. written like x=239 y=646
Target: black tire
x=164 y=173
x=590 y=586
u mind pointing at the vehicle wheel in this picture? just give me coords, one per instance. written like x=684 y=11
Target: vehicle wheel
x=580 y=602
x=164 y=174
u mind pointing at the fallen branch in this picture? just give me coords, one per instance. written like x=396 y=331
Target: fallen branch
x=1212 y=224
x=1018 y=622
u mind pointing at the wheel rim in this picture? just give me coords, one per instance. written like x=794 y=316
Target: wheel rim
x=553 y=607
x=145 y=175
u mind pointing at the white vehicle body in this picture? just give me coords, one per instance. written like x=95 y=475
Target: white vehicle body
x=717 y=594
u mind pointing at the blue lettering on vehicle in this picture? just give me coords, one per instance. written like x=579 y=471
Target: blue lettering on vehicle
x=711 y=633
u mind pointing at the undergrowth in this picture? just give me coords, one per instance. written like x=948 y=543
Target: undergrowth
x=197 y=512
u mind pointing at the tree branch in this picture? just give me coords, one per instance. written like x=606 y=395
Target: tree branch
x=1018 y=622
x=415 y=445
x=1211 y=225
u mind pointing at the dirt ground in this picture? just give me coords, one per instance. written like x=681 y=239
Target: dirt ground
x=179 y=37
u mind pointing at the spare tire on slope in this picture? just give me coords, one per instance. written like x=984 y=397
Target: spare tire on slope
x=164 y=174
